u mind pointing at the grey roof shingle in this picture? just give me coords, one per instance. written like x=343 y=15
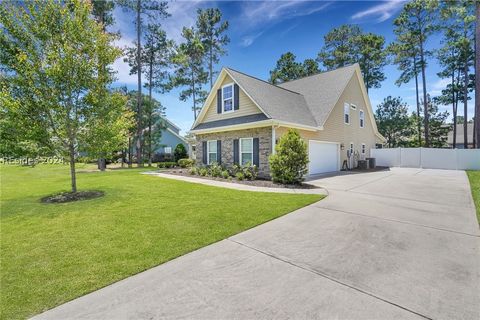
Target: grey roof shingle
x=278 y=103
x=232 y=121
x=460 y=134
x=322 y=90
x=306 y=101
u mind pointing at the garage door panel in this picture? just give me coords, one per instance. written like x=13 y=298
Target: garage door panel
x=323 y=157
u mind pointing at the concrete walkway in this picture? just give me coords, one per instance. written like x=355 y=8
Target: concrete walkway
x=236 y=186
x=399 y=244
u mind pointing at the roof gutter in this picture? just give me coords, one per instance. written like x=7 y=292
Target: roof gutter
x=257 y=124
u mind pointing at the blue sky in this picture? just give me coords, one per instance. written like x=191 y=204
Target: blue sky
x=260 y=31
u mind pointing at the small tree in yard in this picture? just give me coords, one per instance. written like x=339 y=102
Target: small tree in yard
x=180 y=152
x=289 y=163
x=54 y=89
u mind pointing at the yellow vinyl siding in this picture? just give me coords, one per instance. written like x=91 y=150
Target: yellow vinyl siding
x=246 y=107
x=335 y=130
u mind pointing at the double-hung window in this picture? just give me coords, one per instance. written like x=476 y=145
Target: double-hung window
x=362 y=119
x=212 y=151
x=346 y=113
x=227 y=98
x=246 y=151
x=363 y=148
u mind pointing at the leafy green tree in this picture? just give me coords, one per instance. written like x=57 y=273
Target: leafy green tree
x=102 y=10
x=188 y=69
x=393 y=121
x=180 y=152
x=153 y=11
x=289 y=163
x=52 y=54
x=347 y=45
x=286 y=69
x=460 y=21
x=415 y=23
x=211 y=30
x=477 y=77
x=438 y=126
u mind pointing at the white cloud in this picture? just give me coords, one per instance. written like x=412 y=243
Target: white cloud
x=257 y=15
x=380 y=12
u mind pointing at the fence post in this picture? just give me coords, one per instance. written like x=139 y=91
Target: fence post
x=421 y=164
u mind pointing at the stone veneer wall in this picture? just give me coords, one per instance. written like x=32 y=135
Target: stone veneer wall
x=265 y=146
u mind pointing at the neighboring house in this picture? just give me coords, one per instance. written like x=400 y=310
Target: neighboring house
x=243 y=118
x=459 y=143
x=169 y=140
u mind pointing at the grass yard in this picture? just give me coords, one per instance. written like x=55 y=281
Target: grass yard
x=474 y=177
x=52 y=253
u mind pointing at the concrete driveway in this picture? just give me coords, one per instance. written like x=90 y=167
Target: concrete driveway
x=398 y=244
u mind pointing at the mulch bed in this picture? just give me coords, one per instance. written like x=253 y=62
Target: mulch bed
x=72 y=196
x=256 y=183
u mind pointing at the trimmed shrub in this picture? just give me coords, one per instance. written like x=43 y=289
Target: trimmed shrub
x=193 y=171
x=180 y=152
x=186 y=163
x=289 y=163
x=166 y=165
x=249 y=171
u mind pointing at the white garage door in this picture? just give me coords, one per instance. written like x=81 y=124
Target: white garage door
x=323 y=157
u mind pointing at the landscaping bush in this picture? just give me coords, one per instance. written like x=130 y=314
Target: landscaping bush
x=239 y=175
x=215 y=170
x=289 y=163
x=225 y=174
x=193 y=171
x=249 y=171
x=166 y=165
x=186 y=163
x=180 y=152
x=203 y=172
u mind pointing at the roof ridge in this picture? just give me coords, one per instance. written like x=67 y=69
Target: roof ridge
x=273 y=85
x=320 y=72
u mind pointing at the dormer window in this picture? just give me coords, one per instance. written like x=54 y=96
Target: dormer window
x=227 y=98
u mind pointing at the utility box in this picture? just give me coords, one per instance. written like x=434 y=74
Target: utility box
x=363 y=164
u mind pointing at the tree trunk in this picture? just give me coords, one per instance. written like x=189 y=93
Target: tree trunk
x=419 y=125
x=425 y=102
x=150 y=75
x=454 y=111
x=193 y=96
x=211 y=64
x=129 y=152
x=139 y=89
x=102 y=164
x=465 y=105
x=73 y=176
x=477 y=77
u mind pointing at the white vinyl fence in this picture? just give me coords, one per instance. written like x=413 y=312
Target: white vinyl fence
x=428 y=158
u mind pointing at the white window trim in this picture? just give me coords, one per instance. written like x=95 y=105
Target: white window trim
x=208 y=152
x=344 y=109
x=233 y=98
x=364 y=148
x=352 y=148
x=353 y=106
x=240 y=149
x=360 y=112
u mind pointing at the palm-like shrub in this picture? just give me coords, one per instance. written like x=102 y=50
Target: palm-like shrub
x=289 y=163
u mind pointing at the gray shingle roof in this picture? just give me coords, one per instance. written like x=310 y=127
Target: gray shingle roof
x=322 y=90
x=278 y=103
x=460 y=134
x=232 y=121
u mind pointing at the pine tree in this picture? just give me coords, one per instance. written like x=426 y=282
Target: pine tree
x=211 y=31
x=188 y=69
x=416 y=23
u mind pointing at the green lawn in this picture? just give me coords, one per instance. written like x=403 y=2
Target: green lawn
x=52 y=253
x=474 y=177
